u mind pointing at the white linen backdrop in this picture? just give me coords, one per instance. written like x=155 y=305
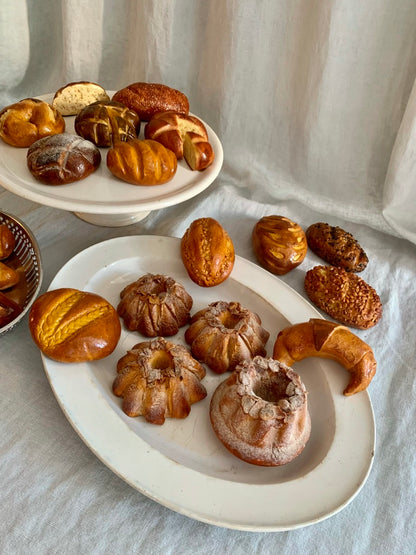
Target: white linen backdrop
x=315 y=104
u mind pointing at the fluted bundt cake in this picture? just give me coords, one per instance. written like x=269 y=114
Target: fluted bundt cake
x=224 y=334
x=155 y=305
x=260 y=413
x=158 y=379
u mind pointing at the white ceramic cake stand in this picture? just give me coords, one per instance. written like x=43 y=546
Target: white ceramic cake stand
x=101 y=198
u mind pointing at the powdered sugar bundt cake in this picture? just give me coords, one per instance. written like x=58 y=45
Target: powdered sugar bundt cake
x=159 y=379
x=155 y=305
x=224 y=334
x=260 y=413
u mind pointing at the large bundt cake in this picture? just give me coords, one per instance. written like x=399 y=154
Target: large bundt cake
x=260 y=413
x=224 y=334
x=155 y=305
x=159 y=379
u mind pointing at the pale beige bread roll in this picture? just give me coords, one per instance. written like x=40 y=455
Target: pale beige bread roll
x=73 y=97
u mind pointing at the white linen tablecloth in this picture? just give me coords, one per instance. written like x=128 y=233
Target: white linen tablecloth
x=56 y=495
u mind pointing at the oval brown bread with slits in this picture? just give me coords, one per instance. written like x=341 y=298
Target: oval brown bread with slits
x=336 y=246
x=69 y=325
x=344 y=296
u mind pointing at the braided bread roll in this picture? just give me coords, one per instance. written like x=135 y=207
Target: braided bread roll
x=142 y=162
x=321 y=338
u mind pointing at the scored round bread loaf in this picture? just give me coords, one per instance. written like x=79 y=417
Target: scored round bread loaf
x=27 y=121
x=73 y=97
x=62 y=159
x=146 y=99
x=142 y=162
x=69 y=325
x=105 y=122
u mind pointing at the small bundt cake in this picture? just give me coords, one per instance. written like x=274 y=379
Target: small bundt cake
x=260 y=413
x=159 y=379
x=155 y=305
x=224 y=334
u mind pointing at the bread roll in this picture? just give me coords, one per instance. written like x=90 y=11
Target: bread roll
x=321 y=338
x=7 y=241
x=27 y=121
x=142 y=162
x=146 y=99
x=62 y=159
x=8 y=276
x=9 y=310
x=69 y=325
x=197 y=152
x=73 y=97
x=106 y=122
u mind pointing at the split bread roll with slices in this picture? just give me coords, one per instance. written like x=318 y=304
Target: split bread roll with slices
x=73 y=97
x=325 y=339
x=69 y=325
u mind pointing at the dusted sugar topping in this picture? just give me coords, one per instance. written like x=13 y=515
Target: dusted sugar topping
x=260 y=413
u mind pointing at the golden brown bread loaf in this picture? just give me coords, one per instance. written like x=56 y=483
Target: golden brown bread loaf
x=185 y=135
x=73 y=97
x=279 y=244
x=146 y=99
x=321 y=338
x=69 y=325
x=105 y=122
x=260 y=413
x=225 y=334
x=142 y=162
x=159 y=379
x=7 y=241
x=62 y=159
x=207 y=252
x=344 y=296
x=336 y=246
x=155 y=305
x=23 y=123
x=9 y=310
x=8 y=276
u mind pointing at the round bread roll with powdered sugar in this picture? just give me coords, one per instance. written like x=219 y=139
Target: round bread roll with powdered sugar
x=62 y=159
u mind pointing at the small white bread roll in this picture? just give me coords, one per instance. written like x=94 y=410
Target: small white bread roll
x=72 y=98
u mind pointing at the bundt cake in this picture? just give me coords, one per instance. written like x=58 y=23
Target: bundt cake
x=159 y=379
x=155 y=305
x=224 y=334
x=260 y=413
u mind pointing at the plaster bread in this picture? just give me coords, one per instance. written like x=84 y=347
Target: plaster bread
x=9 y=310
x=344 y=296
x=106 y=122
x=7 y=241
x=69 y=325
x=62 y=159
x=142 y=162
x=8 y=276
x=27 y=121
x=146 y=99
x=336 y=246
x=325 y=339
x=73 y=97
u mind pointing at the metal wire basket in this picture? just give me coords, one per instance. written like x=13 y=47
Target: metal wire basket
x=26 y=259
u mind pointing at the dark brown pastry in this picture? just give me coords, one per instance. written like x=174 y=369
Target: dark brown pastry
x=142 y=162
x=158 y=379
x=27 y=121
x=155 y=305
x=7 y=241
x=9 y=310
x=69 y=325
x=260 y=413
x=279 y=244
x=325 y=339
x=104 y=123
x=344 y=296
x=8 y=276
x=336 y=246
x=146 y=99
x=224 y=334
x=62 y=159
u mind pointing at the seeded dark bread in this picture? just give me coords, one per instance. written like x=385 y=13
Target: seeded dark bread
x=345 y=296
x=336 y=246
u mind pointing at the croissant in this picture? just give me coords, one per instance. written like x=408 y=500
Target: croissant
x=140 y=162
x=322 y=338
